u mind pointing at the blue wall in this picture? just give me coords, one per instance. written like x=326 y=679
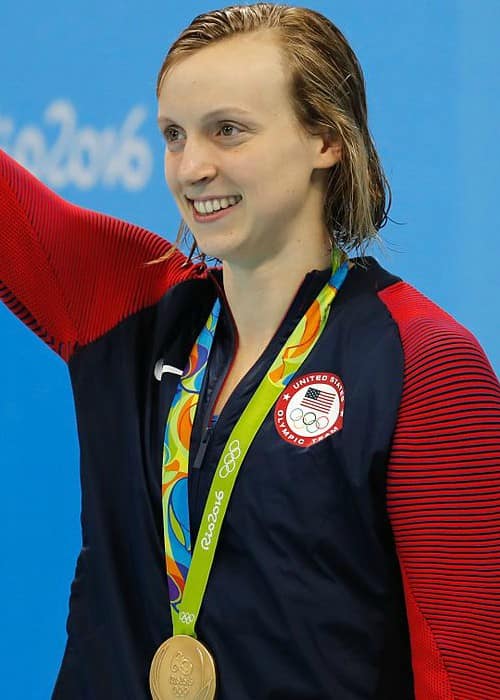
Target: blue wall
x=81 y=76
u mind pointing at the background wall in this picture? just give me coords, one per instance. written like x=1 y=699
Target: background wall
x=77 y=105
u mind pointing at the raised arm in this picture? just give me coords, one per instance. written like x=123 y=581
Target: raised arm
x=444 y=502
x=69 y=273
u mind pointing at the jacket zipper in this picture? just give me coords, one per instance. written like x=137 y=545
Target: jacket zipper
x=208 y=428
x=200 y=455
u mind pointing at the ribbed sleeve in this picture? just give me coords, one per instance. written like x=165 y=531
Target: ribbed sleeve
x=444 y=502
x=72 y=274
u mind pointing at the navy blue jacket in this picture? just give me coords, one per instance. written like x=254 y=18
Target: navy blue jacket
x=304 y=599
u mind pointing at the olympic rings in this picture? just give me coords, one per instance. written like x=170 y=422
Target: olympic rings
x=230 y=458
x=186 y=618
x=308 y=419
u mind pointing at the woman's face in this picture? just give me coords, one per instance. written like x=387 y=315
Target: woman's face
x=252 y=148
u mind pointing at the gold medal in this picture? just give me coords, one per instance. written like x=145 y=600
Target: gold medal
x=182 y=668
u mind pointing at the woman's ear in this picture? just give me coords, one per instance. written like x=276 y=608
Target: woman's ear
x=330 y=150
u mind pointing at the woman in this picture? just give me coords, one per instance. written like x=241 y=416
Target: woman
x=327 y=465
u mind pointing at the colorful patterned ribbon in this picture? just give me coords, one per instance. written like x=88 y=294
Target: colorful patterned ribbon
x=176 y=459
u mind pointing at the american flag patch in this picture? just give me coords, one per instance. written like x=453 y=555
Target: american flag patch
x=318 y=400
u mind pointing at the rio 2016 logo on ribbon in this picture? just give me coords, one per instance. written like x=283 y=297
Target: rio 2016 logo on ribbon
x=212 y=518
x=310 y=409
x=229 y=464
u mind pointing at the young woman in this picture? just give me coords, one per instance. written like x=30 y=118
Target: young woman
x=290 y=463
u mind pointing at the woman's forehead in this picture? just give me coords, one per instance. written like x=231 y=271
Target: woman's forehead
x=246 y=69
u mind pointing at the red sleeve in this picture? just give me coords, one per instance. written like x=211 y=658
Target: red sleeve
x=72 y=274
x=444 y=502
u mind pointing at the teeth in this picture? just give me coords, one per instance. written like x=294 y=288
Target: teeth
x=215 y=204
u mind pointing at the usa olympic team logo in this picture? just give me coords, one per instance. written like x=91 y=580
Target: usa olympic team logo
x=310 y=408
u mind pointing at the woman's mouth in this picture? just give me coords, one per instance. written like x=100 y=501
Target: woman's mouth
x=214 y=215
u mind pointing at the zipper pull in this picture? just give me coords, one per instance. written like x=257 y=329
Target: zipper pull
x=161 y=368
x=200 y=456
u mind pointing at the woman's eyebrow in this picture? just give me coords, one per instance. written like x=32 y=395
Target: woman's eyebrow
x=212 y=114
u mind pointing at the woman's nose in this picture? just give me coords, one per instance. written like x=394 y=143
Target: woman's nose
x=197 y=162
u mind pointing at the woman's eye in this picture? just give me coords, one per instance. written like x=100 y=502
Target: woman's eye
x=168 y=134
x=172 y=134
x=229 y=126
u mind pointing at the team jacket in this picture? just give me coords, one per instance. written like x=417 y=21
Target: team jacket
x=361 y=567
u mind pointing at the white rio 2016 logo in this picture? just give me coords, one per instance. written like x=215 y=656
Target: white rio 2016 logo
x=186 y=618
x=213 y=516
x=81 y=155
x=229 y=462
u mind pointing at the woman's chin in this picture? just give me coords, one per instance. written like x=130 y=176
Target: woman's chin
x=222 y=250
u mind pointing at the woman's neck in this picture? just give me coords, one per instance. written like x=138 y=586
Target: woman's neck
x=260 y=297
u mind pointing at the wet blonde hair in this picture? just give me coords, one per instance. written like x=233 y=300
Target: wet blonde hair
x=327 y=92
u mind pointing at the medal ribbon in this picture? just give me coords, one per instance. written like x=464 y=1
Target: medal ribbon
x=188 y=571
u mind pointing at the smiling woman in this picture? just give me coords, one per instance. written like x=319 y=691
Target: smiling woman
x=304 y=507
x=306 y=76
x=207 y=164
